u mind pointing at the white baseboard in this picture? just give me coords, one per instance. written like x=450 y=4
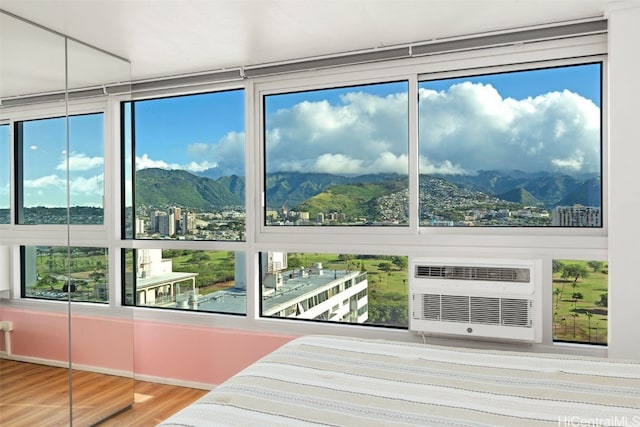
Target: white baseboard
x=175 y=382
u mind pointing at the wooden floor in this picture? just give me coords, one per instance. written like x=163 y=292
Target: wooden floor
x=38 y=395
x=154 y=403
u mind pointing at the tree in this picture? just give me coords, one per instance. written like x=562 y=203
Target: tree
x=294 y=262
x=575 y=272
x=385 y=266
x=558 y=266
x=574 y=315
x=604 y=300
x=576 y=296
x=595 y=265
x=97 y=276
x=589 y=316
x=47 y=281
x=557 y=292
x=400 y=262
x=345 y=257
x=199 y=257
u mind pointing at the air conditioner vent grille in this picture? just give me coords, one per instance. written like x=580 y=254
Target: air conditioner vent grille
x=515 y=312
x=485 y=310
x=457 y=272
x=510 y=312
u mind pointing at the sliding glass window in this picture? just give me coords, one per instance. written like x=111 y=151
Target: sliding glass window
x=185 y=156
x=43 y=161
x=5 y=175
x=516 y=149
x=337 y=157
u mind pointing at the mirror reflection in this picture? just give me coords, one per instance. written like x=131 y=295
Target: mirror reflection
x=66 y=349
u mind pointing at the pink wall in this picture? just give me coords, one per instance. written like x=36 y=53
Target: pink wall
x=97 y=341
x=199 y=354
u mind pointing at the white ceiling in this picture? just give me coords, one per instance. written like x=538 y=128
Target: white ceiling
x=174 y=37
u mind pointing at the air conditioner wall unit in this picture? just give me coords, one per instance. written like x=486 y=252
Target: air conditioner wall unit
x=486 y=299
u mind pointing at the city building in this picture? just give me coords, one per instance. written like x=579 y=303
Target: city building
x=577 y=216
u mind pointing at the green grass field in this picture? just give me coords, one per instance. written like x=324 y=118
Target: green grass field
x=583 y=319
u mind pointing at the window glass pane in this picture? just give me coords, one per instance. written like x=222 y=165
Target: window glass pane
x=5 y=175
x=189 y=167
x=580 y=301
x=337 y=156
x=197 y=280
x=512 y=149
x=46 y=273
x=43 y=165
x=363 y=289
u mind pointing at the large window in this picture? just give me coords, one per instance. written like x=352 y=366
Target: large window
x=5 y=175
x=44 y=161
x=62 y=273
x=358 y=289
x=512 y=149
x=580 y=301
x=197 y=280
x=186 y=157
x=337 y=156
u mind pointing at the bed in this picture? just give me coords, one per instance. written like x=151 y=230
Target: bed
x=338 y=381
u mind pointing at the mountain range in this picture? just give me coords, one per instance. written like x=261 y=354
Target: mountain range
x=352 y=195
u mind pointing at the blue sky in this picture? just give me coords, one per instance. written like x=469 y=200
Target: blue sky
x=189 y=132
x=542 y=120
x=45 y=161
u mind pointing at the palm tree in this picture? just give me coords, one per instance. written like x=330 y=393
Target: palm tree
x=576 y=296
x=589 y=316
x=557 y=292
x=574 y=315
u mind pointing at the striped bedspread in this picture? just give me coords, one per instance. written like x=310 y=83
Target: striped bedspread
x=337 y=381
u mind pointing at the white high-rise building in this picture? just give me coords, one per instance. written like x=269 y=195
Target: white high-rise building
x=576 y=216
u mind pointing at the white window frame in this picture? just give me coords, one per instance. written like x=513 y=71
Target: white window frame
x=545 y=243
x=84 y=235
x=590 y=244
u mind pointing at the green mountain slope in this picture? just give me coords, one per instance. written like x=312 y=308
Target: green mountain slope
x=354 y=200
x=520 y=195
x=159 y=187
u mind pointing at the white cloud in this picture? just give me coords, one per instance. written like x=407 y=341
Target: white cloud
x=443 y=168
x=226 y=154
x=144 y=162
x=466 y=128
x=199 y=167
x=80 y=162
x=570 y=164
x=87 y=186
x=472 y=127
x=337 y=164
x=364 y=133
x=45 y=181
